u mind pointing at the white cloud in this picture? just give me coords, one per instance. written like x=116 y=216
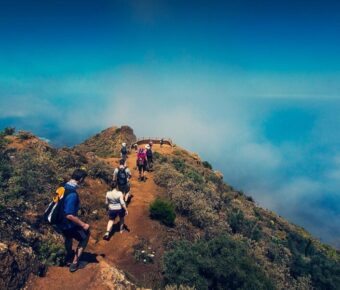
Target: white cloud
x=216 y=114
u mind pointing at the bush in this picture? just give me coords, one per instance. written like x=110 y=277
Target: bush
x=50 y=252
x=239 y=224
x=206 y=164
x=163 y=211
x=194 y=176
x=25 y=135
x=159 y=157
x=179 y=164
x=220 y=263
x=9 y=131
x=101 y=170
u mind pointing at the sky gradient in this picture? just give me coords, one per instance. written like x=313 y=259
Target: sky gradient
x=252 y=86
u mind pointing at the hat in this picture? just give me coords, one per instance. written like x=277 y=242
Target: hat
x=147 y=146
x=123 y=144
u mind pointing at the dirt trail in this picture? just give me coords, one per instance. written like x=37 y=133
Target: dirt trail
x=118 y=251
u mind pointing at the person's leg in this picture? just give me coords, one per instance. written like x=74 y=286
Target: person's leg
x=109 y=226
x=83 y=237
x=121 y=224
x=140 y=171
x=112 y=217
x=68 y=248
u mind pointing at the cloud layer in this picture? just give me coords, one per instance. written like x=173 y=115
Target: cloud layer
x=224 y=115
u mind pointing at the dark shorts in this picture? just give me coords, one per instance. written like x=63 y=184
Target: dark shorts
x=124 y=188
x=78 y=234
x=114 y=213
x=142 y=168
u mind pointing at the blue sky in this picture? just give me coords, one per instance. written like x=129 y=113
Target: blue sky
x=253 y=86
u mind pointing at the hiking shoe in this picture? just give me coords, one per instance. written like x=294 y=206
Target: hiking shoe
x=73 y=267
x=106 y=236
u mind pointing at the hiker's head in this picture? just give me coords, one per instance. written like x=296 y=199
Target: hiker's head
x=79 y=175
x=113 y=184
x=147 y=146
x=123 y=144
x=121 y=162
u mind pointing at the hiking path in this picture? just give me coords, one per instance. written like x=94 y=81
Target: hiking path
x=104 y=256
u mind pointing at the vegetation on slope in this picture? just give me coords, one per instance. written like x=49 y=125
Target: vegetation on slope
x=288 y=255
x=30 y=171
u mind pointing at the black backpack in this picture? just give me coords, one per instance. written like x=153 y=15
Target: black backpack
x=149 y=153
x=124 y=150
x=122 y=177
x=54 y=213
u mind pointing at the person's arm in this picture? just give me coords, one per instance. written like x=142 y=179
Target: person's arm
x=122 y=202
x=128 y=172
x=78 y=221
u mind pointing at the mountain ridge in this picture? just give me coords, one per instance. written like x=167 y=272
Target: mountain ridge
x=206 y=208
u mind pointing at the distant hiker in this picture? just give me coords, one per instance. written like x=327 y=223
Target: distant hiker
x=124 y=151
x=116 y=207
x=135 y=146
x=71 y=226
x=149 y=156
x=141 y=163
x=150 y=144
x=121 y=176
x=161 y=142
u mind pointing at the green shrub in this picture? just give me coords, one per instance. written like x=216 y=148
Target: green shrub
x=159 y=157
x=9 y=131
x=179 y=164
x=219 y=263
x=163 y=211
x=50 y=252
x=101 y=170
x=239 y=224
x=24 y=135
x=194 y=176
x=206 y=164
x=306 y=260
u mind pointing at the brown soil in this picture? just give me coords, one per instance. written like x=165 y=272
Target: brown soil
x=118 y=251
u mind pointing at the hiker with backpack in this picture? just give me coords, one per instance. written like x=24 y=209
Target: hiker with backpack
x=149 y=156
x=121 y=176
x=116 y=207
x=124 y=151
x=161 y=142
x=63 y=213
x=141 y=163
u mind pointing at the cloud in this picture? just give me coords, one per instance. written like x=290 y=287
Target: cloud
x=219 y=114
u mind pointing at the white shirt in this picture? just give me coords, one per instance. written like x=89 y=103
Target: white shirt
x=115 y=199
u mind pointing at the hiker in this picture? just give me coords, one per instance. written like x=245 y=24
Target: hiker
x=161 y=142
x=149 y=156
x=150 y=144
x=116 y=207
x=141 y=163
x=121 y=176
x=123 y=151
x=72 y=227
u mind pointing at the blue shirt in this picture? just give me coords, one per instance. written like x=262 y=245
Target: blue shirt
x=71 y=206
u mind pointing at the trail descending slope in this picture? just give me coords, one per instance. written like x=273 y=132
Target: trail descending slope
x=105 y=256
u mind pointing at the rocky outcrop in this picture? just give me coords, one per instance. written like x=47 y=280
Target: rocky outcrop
x=108 y=142
x=17 y=262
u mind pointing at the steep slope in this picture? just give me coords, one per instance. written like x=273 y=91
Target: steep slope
x=288 y=256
